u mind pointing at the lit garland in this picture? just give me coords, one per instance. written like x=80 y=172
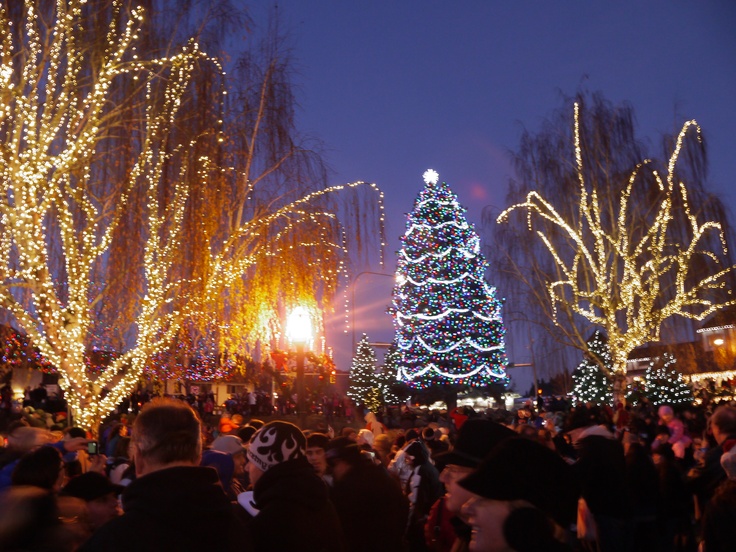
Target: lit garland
x=725 y=375
x=715 y=328
x=448 y=323
x=591 y=382
x=624 y=277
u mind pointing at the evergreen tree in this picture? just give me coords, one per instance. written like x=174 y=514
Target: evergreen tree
x=591 y=383
x=449 y=329
x=363 y=385
x=664 y=384
x=388 y=377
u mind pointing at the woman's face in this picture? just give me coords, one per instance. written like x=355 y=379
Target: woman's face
x=486 y=518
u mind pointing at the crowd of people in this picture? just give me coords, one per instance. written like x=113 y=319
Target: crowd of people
x=586 y=479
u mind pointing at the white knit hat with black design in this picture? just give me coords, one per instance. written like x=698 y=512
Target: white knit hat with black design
x=274 y=443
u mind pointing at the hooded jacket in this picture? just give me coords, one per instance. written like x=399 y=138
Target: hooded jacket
x=180 y=508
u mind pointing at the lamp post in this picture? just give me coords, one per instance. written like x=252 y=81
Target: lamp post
x=299 y=332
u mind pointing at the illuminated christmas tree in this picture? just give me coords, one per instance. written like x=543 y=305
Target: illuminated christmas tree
x=449 y=329
x=591 y=383
x=363 y=385
x=387 y=380
x=664 y=384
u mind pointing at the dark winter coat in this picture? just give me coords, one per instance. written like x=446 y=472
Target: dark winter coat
x=704 y=480
x=180 y=508
x=295 y=512
x=372 y=508
x=601 y=471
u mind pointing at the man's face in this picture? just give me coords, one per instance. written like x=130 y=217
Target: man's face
x=339 y=468
x=455 y=495
x=254 y=472
x=486 y=518
x=316 y=457
x=103 y=509
x=239 y=462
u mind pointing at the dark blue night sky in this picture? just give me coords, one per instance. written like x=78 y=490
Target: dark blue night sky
x=393 y=87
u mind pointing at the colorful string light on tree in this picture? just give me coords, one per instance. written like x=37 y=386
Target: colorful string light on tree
x=447 y=319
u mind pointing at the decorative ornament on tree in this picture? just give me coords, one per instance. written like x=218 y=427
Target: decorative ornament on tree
x=449 y=328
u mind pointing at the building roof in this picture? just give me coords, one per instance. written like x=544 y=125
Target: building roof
x=724 y=318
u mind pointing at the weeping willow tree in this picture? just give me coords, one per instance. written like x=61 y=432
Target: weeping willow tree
x=598 y=236
x=148 y=195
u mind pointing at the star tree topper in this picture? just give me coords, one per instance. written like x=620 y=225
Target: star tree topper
x=431 y=176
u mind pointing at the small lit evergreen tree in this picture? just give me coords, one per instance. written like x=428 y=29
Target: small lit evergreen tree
x=449 y=329
x=363 y=385
x=664 y=384
x=387 y=377
x=591 y=383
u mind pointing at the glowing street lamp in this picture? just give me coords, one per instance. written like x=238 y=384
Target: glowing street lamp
x=299 y=332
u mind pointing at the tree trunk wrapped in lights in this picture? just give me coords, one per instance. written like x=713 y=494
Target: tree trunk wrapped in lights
x=629 y=252
x=132 y=210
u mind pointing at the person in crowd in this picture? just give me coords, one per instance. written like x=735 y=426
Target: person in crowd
x=30 y=520
x=704 y=479
x=719 y=520
x=398 y=465
x=118 y=467
x=23 y=439
x=36 y=481
x=423 y=489
x=382 y=448
x=100 y=496
x=642 y=480
x=679 y=439
x=174 y=504
x=223 y=464
x=232 y=445
x=601 y=470
x=365 y=440
x=374 y=426
x=372 y=508
x=315 y=451
x=43 y=468
x=246 y=432
x=444 y=529
x=525 y=498
x=77 y=462
x=432 y=437
x=675 y=512
x=350 y=433
x=294 y=509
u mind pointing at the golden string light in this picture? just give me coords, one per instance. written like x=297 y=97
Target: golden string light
x=55 y=111
x=627 y=272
